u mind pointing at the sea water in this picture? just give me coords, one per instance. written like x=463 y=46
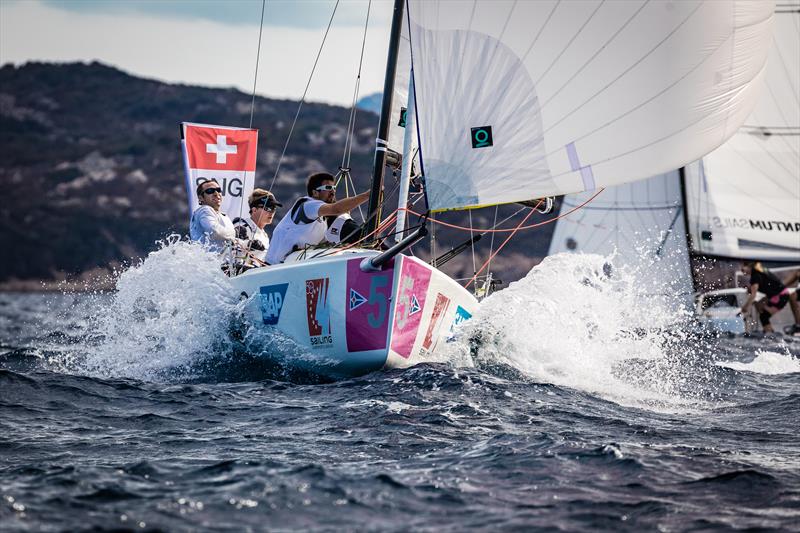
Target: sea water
x=573 y=400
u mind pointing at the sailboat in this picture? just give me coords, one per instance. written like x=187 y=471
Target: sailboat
x=509 y=102
x=739 y=202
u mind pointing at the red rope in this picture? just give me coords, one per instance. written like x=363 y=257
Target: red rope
x=500 y=248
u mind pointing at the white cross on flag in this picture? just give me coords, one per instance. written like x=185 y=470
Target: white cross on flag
x=222 y=153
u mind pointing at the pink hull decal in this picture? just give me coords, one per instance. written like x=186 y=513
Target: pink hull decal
x=414 y=281
x=367 y=307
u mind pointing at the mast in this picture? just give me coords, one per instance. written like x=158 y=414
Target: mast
x=378 y=166
x=688 y=233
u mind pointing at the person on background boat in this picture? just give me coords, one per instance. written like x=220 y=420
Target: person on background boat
x=208 y=225
x=794 y=280
x=777 y=295
x=305 y=224
x=250 y=229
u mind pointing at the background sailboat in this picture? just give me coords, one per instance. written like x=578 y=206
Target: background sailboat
x=741 y=201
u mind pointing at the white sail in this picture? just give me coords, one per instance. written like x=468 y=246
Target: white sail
x=744 y=200
x=642 y=223
x=519 y=100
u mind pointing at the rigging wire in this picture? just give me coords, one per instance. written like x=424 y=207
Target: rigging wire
x=258 y=56
x=302 y=100
x=531 y=212
x=491 y=242
x=351 y=124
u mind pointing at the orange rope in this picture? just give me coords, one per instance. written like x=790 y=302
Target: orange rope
x=382 y=226
x=500 y=247
x=542 y=223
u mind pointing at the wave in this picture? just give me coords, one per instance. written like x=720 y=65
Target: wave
x=580 y=321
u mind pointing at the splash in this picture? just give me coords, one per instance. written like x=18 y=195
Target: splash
x=580 y=321
x=767 y=363
x=170 y=312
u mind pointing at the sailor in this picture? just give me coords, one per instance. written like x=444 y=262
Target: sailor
x=794 y=280
x=777 y=295
x=305 y=224
x=250 y=229
x=208 y=225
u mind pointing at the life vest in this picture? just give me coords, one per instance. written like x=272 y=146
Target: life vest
x=295 y=231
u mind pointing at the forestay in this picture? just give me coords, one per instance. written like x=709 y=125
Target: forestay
x=642 y=224
x=744 y=201
x=519 y=100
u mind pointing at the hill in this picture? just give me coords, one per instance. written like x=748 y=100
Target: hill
x=91 y=163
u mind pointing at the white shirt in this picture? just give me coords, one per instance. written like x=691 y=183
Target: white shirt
x=254 y=233
x=211 y=227
x=290 y=234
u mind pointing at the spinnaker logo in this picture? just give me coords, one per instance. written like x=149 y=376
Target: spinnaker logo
x=481 y=137
x=402 y=122
x=272 y=297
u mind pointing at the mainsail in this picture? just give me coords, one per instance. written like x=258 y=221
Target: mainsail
x=744 y=201
x=519 y=100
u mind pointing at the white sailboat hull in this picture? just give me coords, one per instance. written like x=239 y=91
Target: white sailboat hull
x=348 y=322
x=720 y=311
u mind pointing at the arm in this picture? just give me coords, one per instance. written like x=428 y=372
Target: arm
x=343 y=206
x=750 y=297
x=793 y=278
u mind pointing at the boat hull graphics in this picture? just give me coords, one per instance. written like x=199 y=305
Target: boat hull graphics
x=349 y=322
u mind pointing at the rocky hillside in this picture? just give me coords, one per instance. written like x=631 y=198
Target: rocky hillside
x=92 y=170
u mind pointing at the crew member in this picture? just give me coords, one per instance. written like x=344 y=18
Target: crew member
x=777 y=295
x=305 y=224
x=250 y=229
x=208 y=225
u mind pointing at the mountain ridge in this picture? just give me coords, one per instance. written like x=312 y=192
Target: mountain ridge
x=92 y=162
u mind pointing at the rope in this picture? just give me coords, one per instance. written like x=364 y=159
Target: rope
x=258 y=56
x=351 y=123
x=491 y=244
x=300 y=106
x=501 y=246
x=542 y=223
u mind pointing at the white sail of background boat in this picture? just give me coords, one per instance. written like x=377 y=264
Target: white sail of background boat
x=514 y=101
x=643 y=225
x=741 y=201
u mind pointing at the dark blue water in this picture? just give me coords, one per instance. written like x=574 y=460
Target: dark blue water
x=610 y=431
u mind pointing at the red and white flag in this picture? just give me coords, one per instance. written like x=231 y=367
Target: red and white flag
x=222 y=153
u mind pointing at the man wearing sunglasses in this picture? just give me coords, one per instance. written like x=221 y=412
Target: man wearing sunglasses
x=208 y=225
x=305 y=224
x=251 y=228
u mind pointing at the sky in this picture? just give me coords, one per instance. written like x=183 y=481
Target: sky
x=212 y=43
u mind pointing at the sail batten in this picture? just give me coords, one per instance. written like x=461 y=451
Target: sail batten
x=524 y=100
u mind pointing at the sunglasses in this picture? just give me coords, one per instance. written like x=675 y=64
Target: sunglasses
x=267 y=208
x=326 y=188
x=212 y=190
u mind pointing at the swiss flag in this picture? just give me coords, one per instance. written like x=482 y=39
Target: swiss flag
x=220 y=148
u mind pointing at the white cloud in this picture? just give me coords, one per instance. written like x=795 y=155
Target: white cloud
x=199 y=52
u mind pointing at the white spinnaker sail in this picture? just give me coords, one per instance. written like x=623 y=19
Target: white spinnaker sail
x=642 y=223
x=578 y=95
x=744 y=201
